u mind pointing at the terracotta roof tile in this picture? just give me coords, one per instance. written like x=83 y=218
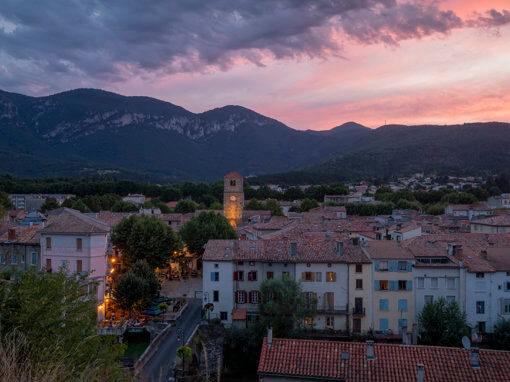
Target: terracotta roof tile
x=233 y=174
x=326 y=360
x=66 y=220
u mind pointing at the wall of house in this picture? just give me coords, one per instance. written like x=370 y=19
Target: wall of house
x=364 y=293
x=483 y=228
x=225 y=287
x=442 y=289
x=18 y=257
x=393 y=314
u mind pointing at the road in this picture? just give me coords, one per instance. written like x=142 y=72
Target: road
x=159 y=367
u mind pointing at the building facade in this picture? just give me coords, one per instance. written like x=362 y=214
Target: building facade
x=233 y=198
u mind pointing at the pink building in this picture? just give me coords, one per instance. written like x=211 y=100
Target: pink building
x=78 y=242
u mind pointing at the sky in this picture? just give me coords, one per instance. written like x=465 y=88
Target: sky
x=310 y=64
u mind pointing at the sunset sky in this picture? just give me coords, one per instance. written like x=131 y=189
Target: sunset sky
x=310 y=64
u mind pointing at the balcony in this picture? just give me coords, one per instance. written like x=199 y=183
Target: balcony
x=358 y=311
x=329 y=309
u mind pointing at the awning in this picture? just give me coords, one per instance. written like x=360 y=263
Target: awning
x=239 y=313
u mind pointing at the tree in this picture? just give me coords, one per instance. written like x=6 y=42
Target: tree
x=442 y=323
x=275 y=207
x=5 y=202
x=282 y=306
x=122 y=206
x=145 y=237
x=308 y=204
x=293 y=193
x=254 y=204
x=204 y=227
x=131 y=293
x=171 y=194
x=501 y=336
x=183 y=352
x=50 y=312
x=143 y=270
x=185 y=207
x=49 y=205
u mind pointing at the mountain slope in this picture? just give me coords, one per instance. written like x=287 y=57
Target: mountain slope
x=87 y=130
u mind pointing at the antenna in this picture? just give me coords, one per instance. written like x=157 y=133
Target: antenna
x=466 y=343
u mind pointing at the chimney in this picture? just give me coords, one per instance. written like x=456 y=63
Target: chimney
x=404 y=336
x=355 y=241
x=235 y=244
x=269 y=336
x=414 y=337
x=420 y=372
x=340 y=248
x=11 y=235
x=370 y=350
x=398 y=244
x=458 y=252
x=293 y=248
x=474 y=358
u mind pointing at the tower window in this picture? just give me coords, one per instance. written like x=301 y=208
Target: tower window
x=233 y=182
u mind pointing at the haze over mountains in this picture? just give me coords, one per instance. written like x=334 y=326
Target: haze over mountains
x=91 y=132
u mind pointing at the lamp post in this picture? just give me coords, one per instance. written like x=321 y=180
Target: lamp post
x=180 y=337
x=206 y=298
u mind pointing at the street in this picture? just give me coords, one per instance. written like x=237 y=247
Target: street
x=159 y=367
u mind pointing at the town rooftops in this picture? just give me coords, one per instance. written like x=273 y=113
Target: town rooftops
x=310 y=250
x=233 y=174
x=24 y=235
x=386 y=249
x=66 y=220
x=498 y=220
x=347 y=361
x=498 y=258
x=466 y=207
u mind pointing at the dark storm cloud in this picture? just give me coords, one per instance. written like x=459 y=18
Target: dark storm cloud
x=112 y=40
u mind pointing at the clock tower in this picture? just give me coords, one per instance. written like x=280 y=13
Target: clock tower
x=233 y=198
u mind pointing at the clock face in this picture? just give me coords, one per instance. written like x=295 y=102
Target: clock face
x=233 y=198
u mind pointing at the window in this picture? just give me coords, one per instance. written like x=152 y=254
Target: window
x=269 y=275
x=232 y=182
x=252 y=263
x=359 y=268
x=309 y=300
x=215 y=276
x=402 y=322
x=383 y=324
x=238 y=275
x=329 y=301
x=434 y=282
x=216 y=266
x=34 y=258
x=330 y=276
x=79 y=266
x=241 y=297
x=308 y=276
x=240 y=263
x=308 y=265
x=330 y=321
x=506 y=306
x=383 y=266
x=384 y=304
x=402 y=305
x=48 y=265
x=216 y=295
x=383 y=285
x=308 y=321
x=14 y=259
x=429 y=299
x=318 y=276
x=48 y=243
x=450 y=282
x=402 y=265
x=254 y=297
x=402 y=284
x=450 y=299
x=252 y=276
x=78 y=244
x=359 y=283
x=285 y=275
x=481 y=327
x=421 y=282
x=507 y=286
x=223 y=316
x=2 y=259
x=480 y=275
x=22 y=259
x=480 y=307
x=356 y=325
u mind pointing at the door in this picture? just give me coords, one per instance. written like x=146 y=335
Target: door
x=356 y=325
x=79 y=266
x=48 y=265
x=358 y=305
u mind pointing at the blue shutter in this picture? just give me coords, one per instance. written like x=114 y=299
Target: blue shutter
x=393 y=266
x=376 y=283
x=212 y=276
x=390 y=285
x=383 y=324
x=401 y=323
x=377 y=265
x=409 y=285
x=384 y=304
x=402 y=305
x=409 y=266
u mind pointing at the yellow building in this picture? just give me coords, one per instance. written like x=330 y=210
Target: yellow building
x=360 y=287
x=392 y=292
x=233 y=198
x=493 y=224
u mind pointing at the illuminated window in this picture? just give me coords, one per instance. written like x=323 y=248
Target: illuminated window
x=330 y=276
x=383 y=285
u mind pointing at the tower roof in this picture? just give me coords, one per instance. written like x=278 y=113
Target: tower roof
x=233 y=174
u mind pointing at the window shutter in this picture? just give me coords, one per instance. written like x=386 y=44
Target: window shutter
x=212 y=276
x=377 y=265
x=245 y=295
x=313 y=276
x=259 y=296
x=409 y=266
x=390 y=284
x=250 y=297
x=393 y=266
x=303 y=276
x=249 y=276
x=409 y=285
x=334 y=276
x=237 y=297
x=376 y=283
x=254 y=275
x=236 y=276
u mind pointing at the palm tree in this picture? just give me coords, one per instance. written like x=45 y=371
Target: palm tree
x=183 y=352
